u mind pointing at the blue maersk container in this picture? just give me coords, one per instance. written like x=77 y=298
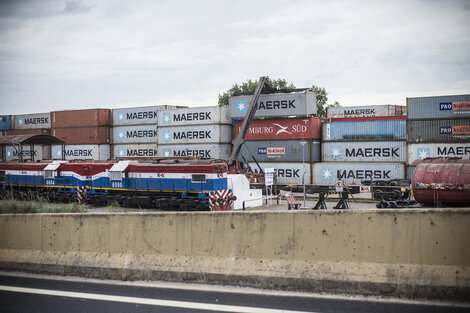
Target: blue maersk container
x=383 y=130
x=424 y=108
x=4 y=122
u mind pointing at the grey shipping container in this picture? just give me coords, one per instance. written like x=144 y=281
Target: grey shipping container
x=134 y=150
x=194 y=134
x=134 y=134
x=365 y=111
x=439 y=130
x=420 y=151
x=354 y=172
x=5 y=122
x=364 y=151
x=282 y=104
x=457 y=106
x=194 y=116
x=280 y=151
x=138 y=115
x=81 y=152
x=32 y=121
x=380 y=130
x=213 y=151
x=288 y=173
x=409 y=171
x=12 y=153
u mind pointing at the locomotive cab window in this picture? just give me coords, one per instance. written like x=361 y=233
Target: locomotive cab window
x=2 y=176
x=115 y=175
x=48 y=174
x=198 y=178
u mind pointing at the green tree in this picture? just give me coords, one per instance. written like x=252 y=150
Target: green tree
x=280 y=84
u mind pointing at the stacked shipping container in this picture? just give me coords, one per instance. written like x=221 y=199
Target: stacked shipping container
x=366 y=143
x=85 y=133
x=194 y=132
x=134 y=131
x=437 y=127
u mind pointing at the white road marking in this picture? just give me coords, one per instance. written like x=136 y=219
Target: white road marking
x=147 y=301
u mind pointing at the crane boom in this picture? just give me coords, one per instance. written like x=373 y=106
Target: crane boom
x=251 y=110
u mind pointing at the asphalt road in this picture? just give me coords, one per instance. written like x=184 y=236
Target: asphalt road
x=28 y=293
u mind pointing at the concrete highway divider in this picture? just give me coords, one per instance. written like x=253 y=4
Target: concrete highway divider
x=409 y=253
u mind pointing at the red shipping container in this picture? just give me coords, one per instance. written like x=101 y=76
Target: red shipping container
x=83 y=135
x=282 y=129
x=32 y=131
x=80 y=118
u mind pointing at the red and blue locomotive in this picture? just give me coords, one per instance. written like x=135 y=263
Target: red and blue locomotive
x=182 y=186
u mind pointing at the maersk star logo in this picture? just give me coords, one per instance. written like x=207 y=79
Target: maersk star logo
x=166 y=118
x=166 y=152
x=326 y=173
x=121 y=152
x=58 y=153
x=167 y=136
x=121 y=134
x=120 y=116
x=20 y=121
x=9 y=154
x=335 y=153
x=423 y=153
x=241 y=106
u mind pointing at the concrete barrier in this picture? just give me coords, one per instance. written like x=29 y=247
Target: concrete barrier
x=411 y=253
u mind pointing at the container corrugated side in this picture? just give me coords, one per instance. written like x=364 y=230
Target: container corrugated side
x=438 y=131
x=280 y=151
x=37 y=131
x=213 y=151
x=32 y=121
x=194 y=134
x=283 y=104
x=364 y=111
x=365 y=131
x=326 y=173
x=138 y=115
x=80 y=118
x=281 y=129
x=134 y=150
x=81 y=152
x=5 y=122
x=456 y=106
x=409 y=171
x=12 y=153
x=194 y=116
x=134 y=134
x=287 y=173
x=420 y=151
x=83 y=135
x=364 y=151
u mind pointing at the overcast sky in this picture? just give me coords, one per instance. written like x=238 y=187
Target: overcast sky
x=57 y=55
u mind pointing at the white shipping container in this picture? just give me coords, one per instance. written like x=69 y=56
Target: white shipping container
x=82 y=152
x=279 y=104
x=12 y=153
x=194 y=116
x=364 y=151
x=287 y=173
x=32 y=121
x=326 y=173
x=134 y=150
x=422 y=151
x=134 y=134
x=193 y=134
x=366 y=111
x=138 y=115
x=213 y=151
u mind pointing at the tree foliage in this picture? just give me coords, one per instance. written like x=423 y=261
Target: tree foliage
x=279 y=84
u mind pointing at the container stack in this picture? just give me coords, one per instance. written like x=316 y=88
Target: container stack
x=367 y=143
x=203 y=132
x=85 y=133
x=281 y=136
x=134 y=131
x=437 y=127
